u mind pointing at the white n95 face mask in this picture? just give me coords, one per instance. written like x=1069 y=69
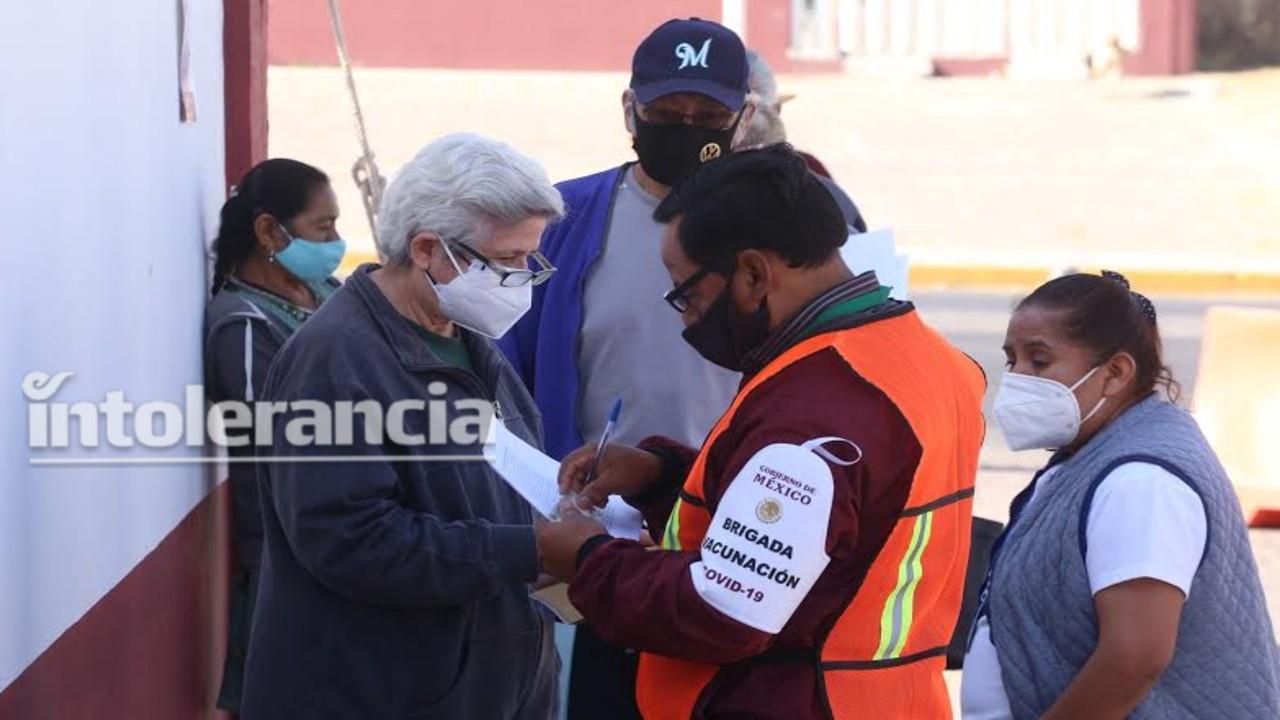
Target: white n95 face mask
x=477 y=300
x=1036 y=413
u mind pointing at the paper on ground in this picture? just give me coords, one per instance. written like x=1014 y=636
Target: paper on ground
x=533 y=475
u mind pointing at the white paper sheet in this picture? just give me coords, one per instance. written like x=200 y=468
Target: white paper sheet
x=533 y=474
x=876 y=250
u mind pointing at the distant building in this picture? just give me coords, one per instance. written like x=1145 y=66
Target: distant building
x=1017 y=37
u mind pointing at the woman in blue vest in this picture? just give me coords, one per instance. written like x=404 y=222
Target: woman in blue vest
x=1124 y=585
x=274 y=257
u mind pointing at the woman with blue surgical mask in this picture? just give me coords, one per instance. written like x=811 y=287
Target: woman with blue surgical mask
x=1124 y=585
x=274 y=257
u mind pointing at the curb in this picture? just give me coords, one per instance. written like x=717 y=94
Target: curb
x=354 y=259
x=1008 y=278
x=1148 y=281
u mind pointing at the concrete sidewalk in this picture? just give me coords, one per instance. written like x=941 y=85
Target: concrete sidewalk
x=989 y=183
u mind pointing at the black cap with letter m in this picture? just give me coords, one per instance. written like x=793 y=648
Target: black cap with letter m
x=692 y=56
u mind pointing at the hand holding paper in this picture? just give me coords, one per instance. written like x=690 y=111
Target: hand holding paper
x=534 y=475
x=560 y=541
x=619 y=470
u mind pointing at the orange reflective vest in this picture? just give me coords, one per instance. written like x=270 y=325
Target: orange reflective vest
x=885 y=654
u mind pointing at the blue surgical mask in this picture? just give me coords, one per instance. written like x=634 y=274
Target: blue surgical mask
x=311 y=261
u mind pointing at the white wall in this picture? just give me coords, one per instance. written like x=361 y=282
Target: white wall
x=106 y=201
x=1028 y=30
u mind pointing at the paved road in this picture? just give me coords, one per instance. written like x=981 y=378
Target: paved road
x=1140 y=173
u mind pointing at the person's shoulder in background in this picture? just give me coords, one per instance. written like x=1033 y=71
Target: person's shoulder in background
x=852 y=216
x=587 y=200
x=815 y=165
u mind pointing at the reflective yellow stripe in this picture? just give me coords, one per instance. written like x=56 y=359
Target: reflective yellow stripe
x=671 y=536
x=909 y=596
x=899 y=606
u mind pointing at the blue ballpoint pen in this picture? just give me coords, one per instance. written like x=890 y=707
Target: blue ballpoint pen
x=604 y=438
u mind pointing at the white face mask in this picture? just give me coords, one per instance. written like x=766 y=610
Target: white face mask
x=477 y=300
x=1037 y=413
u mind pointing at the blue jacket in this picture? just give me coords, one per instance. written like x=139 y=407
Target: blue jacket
x=543 y=346
x=394 y=588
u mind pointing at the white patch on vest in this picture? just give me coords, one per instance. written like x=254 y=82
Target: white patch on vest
x=816 y=445
x=767 y=543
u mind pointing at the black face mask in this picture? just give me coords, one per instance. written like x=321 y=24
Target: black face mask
x=669 y=152
x=724 y=336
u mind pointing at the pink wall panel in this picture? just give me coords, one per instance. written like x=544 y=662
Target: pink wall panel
x=1168 y=39
x=498 y=34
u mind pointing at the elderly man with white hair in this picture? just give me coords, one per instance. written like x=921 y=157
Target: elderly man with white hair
x=396 y=563
x=767 y=128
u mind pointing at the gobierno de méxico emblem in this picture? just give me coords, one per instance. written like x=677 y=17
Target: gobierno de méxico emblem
x=769 y=511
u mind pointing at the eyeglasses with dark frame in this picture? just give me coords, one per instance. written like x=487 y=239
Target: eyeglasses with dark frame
x=678 y=296
x=509 y=277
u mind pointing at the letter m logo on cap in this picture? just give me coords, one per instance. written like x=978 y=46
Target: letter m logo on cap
x=689 y=57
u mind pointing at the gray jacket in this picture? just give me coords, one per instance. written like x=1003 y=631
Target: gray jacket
x=241 y=339
x=394 y=588
x=1043 y=621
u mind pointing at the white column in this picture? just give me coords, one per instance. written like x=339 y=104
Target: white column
x=733 y=15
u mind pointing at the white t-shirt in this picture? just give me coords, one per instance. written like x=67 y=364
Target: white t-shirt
x=1144 y=522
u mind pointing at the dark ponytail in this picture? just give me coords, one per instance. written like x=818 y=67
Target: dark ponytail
x=1104 y=315
x=280 y=187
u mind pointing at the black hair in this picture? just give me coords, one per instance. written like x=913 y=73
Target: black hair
x=762 y=199
x=1104 y=315
x=279 y=187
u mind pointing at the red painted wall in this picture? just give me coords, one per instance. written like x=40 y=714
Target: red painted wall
x=769 y=33
x=152 y=647
x=1167 y=43
x=244 y=61
x=593 y=34
x=498 y=34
